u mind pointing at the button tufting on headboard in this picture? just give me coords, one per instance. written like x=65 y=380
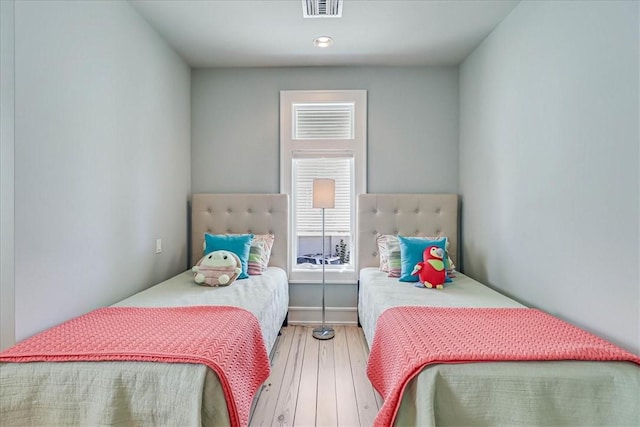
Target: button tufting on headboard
x=405 y=214
x=241 y=214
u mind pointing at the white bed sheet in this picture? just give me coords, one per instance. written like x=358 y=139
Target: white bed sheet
x=266 y=296
x=377 y=292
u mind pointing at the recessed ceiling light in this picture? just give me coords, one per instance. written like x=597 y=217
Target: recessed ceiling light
x=323 y=41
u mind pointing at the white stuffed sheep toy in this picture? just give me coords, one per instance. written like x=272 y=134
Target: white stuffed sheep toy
x=218 y=268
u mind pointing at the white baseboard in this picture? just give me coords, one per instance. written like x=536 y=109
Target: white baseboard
x=332 y=315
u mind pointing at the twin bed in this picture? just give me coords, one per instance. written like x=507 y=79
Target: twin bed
x=448 y=391
x=127 y=392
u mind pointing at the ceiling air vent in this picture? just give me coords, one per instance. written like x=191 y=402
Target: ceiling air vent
x=322 y=8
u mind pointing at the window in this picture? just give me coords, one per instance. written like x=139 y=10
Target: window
x=322 y=135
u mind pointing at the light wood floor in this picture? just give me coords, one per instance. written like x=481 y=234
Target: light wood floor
x=318 y=383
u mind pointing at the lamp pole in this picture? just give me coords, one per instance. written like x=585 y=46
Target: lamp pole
x=323 y=196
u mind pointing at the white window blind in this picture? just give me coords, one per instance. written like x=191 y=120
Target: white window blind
x=313 y=121
x=308 y=220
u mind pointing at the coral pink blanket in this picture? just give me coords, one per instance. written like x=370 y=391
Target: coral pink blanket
x=409 y=338
x=226 y=339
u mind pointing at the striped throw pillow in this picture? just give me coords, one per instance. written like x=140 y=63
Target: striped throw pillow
x=259 y=253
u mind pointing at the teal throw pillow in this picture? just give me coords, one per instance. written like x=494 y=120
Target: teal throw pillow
x=411 y=249
x=239 y=244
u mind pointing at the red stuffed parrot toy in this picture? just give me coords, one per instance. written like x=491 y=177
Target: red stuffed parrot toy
x=430 y=271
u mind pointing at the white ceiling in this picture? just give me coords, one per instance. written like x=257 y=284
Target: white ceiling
x=267 y=33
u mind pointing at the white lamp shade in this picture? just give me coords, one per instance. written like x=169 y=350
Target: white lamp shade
x=324 y=193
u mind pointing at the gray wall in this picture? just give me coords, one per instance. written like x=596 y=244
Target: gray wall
x=412 y=135
x=412 y=125
x=102 y=134
x=7 y=146
x=549 y=162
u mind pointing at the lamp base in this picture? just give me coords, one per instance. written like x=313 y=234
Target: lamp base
x=324 y=333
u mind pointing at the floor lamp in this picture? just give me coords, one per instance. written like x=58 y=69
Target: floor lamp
x=324 y=192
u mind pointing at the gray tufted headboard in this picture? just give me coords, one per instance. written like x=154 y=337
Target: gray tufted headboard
x=239 y=214
x=408 y=215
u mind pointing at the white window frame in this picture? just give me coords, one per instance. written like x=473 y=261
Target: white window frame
x=289 y=147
